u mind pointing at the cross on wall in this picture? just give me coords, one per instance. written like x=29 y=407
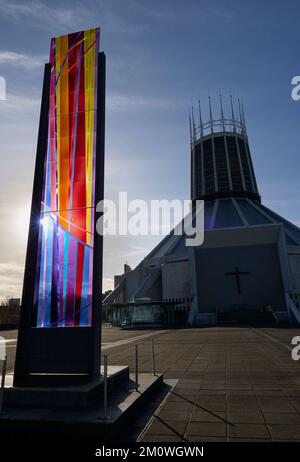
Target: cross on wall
x=237 y=273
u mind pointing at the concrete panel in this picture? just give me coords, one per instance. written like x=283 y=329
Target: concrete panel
x=176 y=279
x=262 y=286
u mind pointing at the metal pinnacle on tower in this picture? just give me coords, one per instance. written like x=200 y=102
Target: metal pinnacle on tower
x=222 y=113
x=210 y=115
x=190 y=125
x=240 y=116
x=234 y=123
x=193 y=123
x=232 y=114
x=244 y=119
x=200 y=118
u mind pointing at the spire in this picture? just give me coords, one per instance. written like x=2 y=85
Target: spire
x=241 y=117
x=190 y=125
x=232 y=113
x=244 y=119
x=222 y=112
x=240 y=113
x=210 y=115
x=200 y=118
x=193 y=123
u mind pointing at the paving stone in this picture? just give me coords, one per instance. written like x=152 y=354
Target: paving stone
x=296 y=402
x=212 y=403
x=149 y=438
x=182 y=397
x=270 y=393
x=160 y=428
x=177 y=426
x=205 y=439
x=288 y=419
x=248 y=431
x=285 y=432
x=293 y=393
x=276 y=404
x=242 y=404
x=240 y=392
x=206 y=429
x=239 y=386
x=179 y=416
x=187 y=386
x=203 y=416
x=209 y=392
x=247 y=417
x=248 y=440
x=177 y=406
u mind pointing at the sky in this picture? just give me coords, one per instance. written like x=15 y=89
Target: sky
x=161 y=57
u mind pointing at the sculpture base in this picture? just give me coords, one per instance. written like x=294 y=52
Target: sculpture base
x=76 y=413
x=81 y=395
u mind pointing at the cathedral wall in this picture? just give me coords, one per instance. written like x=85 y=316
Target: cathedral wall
x=294 y=264
x=262 y=285
x=176 y=280
x=135 y=278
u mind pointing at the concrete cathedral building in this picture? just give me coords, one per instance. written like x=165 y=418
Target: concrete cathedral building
x=249 y=264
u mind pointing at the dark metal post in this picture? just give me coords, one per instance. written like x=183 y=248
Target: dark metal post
x=99 y=196
x=153 y=356
x=136 y=368
x=105 y=388
x=4 y=364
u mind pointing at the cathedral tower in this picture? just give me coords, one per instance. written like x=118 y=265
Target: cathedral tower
x=221 y=164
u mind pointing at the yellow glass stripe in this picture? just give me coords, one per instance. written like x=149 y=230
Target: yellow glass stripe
x=89 y=69
x=62 y=121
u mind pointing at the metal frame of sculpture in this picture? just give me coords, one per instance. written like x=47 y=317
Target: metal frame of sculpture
x=60 y=327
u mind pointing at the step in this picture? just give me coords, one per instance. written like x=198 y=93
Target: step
x=83 y=425
x=81 y=395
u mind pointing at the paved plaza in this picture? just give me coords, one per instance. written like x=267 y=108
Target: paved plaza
x=225 y=383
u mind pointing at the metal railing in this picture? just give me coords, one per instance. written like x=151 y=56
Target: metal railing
x=136 y=375
x=219 y=125
x=153 y=357
x=105 y=387
x=136 y=363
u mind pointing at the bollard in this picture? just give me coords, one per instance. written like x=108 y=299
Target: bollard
x=136 y=368
x=105 y=390
x=4 y=362
x=153 y=356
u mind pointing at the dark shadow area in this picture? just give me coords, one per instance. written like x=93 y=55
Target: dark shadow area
x=138 y=424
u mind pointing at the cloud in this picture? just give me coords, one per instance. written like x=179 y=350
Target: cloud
x=108 y=284
x=125 y=103
x=11 y=279
x=137 y=252
x=182 y=12
x=27 y=62
x=11 y=267
x=41 y=15
x=17 y=101
x=15 y=112
x=78 y=16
